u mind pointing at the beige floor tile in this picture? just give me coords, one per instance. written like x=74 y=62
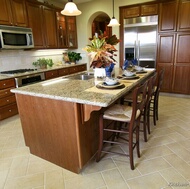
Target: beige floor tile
x=152 y=165
x=159 y=141
x=103 y=164
x=3 y=177
x=114 y=180
x=5 y=164
x=151 y=181
x=30 y=181
x=126 y=171
x=54 y=179
x=174 y=179
x=162 y=131
x=90 y=181
x=181 y=166
x=156 y=151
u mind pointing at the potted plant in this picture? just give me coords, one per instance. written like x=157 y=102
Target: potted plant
x=43 y=63
x=73 y=56
x=101 y=51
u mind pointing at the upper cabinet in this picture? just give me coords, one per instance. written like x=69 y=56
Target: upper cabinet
x=168 y=16
x=13 y=12
x=184 y=15
x=42 y=20
x=67 y=31
x=140 y=10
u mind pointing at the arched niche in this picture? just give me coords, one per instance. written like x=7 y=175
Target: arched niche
x=99 y=21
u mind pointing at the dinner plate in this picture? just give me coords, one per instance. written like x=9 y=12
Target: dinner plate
x=104 y=85
x=140 y=72
x=130 y=77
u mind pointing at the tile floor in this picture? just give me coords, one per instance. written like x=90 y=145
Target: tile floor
x=164 y=162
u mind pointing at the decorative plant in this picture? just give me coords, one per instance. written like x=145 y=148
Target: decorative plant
x=73 y=56
x=102 y=50
x=43 y=62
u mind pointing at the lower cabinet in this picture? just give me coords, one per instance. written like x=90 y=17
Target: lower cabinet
x=8 y=106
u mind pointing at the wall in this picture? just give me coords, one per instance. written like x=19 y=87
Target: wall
x=23 y=59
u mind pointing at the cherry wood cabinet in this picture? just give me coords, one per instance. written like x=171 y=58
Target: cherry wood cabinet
x=184 y=16
x=65 y=71
x=168 y=16
x=131 y=12
x=8 y=106
x=165 y=59
x=140 y=10
x=182 y=64
x=62 y=30
x=151 y=9
x=71 y=31
x=13 y=12
x=51 y=74
x=42 y=20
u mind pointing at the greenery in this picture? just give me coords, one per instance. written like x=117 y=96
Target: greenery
x=102 y=50
x=43 y=62
x=73 y=56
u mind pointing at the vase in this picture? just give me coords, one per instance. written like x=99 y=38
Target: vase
x=99 y=72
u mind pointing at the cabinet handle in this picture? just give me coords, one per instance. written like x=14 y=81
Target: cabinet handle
x=7 y=100
x=6 y=92
x=10 y=110
x=52 y=74
x=4 y=84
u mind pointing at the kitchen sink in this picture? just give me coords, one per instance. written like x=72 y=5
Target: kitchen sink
x=82 y=77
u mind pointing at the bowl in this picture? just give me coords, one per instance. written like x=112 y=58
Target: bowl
x=111 y=81
x=128 y=73
x=138 y=68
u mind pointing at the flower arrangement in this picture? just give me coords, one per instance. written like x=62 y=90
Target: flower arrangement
x=102 y=50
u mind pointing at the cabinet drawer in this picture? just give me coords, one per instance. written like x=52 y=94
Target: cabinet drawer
x=51 y=74
x=8 y=111
x=64 y=71
x=5 y=92
x=132 y=12
x=7 y=100
x=7 y=83
x=73 y=70
x=81 y=68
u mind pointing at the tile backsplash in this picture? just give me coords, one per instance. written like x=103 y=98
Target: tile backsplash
x=18 y=59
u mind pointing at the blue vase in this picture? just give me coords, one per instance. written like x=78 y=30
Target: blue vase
x=109 y=69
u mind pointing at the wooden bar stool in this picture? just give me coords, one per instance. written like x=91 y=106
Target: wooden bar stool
x=125 y=121
x=155 y=96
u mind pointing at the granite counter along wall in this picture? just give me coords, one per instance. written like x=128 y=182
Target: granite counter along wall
x=19 y=59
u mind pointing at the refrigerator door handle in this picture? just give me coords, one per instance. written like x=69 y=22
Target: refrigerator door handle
x=139 y=53
x=135 y=45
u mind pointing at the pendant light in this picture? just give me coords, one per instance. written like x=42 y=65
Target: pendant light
x=113 y=21
x=70 y=9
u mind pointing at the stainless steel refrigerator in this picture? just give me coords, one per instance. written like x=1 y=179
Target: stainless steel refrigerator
x=140 y=38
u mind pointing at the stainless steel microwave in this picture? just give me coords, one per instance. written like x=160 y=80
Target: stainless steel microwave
x=16 y=37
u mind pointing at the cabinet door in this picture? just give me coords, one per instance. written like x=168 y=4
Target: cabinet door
x=131 y=12
x=149 y=10
x=19 y=13
x=182 y=64
x=71 y=31
x=165 y=59
x=35 y=22
x=49 y=23
x=184 y=16
x=61 y=28
x=168 y=76
x=5 y=13
x=168 y=16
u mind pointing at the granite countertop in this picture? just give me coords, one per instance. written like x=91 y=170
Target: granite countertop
x=79 y=91
x=55 y=67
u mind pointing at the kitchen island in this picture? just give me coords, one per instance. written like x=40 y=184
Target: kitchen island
x=59 y=117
